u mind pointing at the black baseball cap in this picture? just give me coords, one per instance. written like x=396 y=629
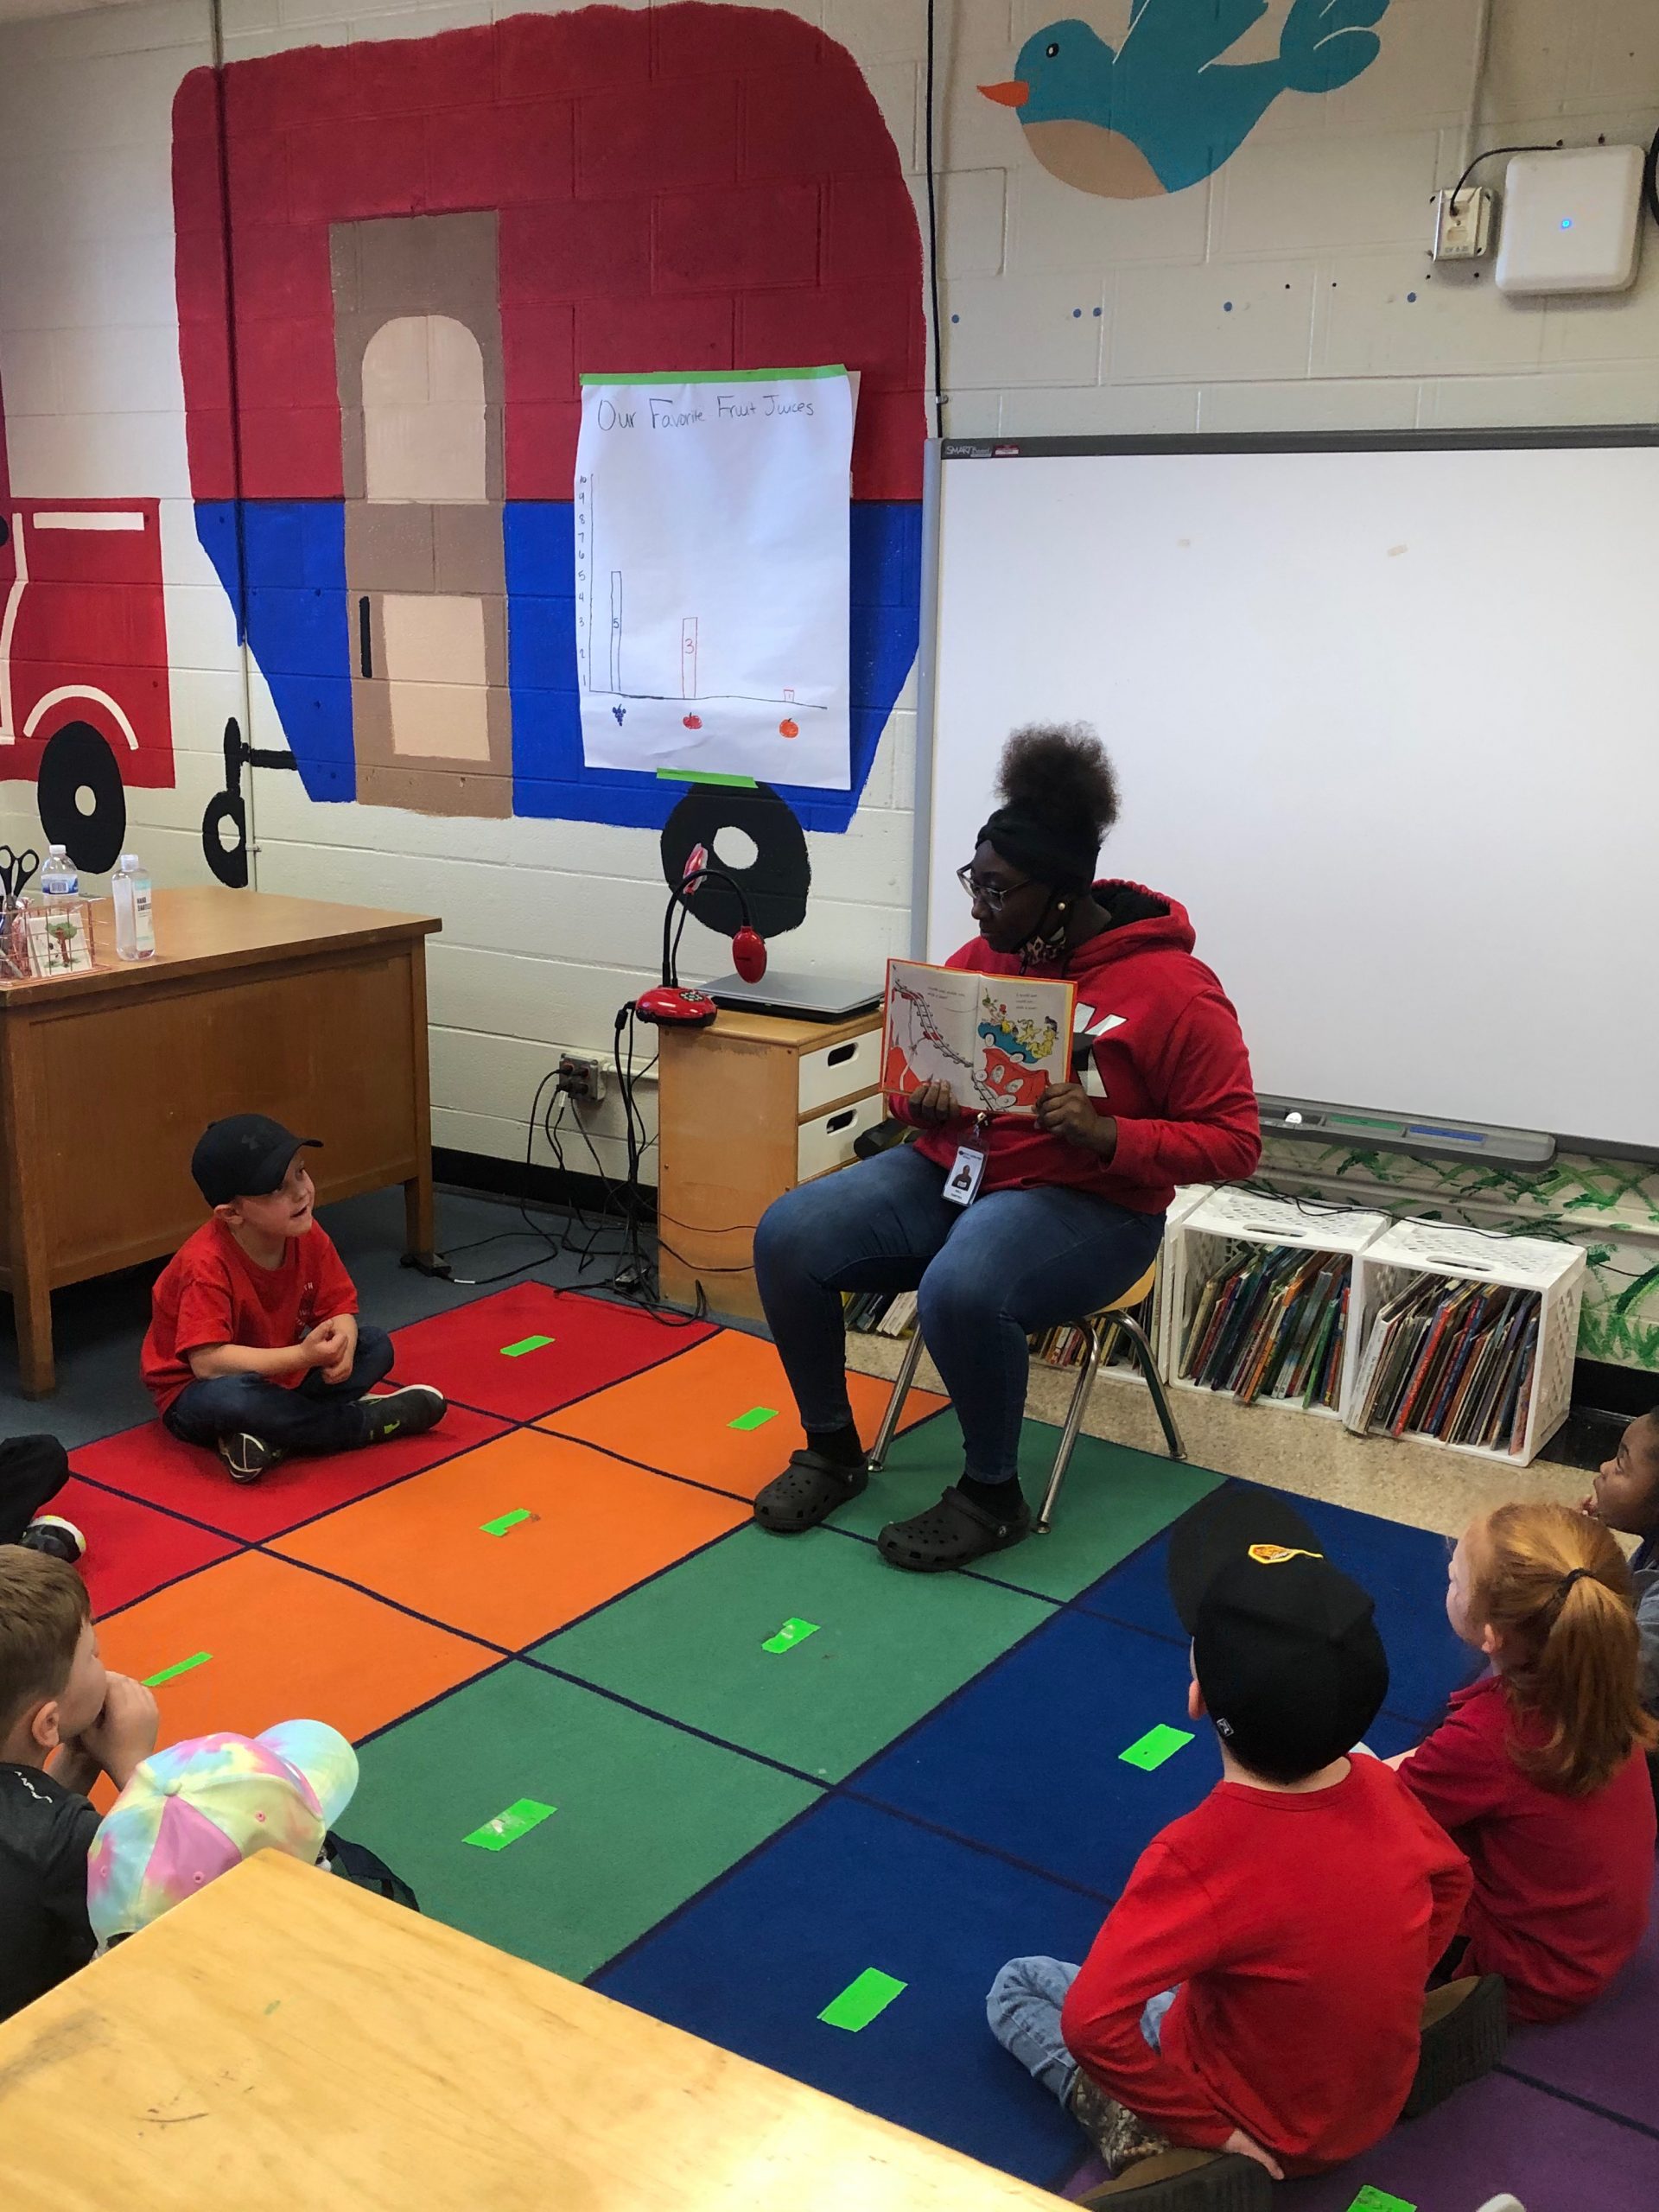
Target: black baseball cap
x=1284 y=1646
x=244 y=1156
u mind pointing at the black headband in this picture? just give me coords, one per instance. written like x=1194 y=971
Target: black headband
x=1052 y=852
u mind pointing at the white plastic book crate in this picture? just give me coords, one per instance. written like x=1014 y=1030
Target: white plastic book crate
x=1556 y=1271
x=1227 y=1218
x=1186 y=1203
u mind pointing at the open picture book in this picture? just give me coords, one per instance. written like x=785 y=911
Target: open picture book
x=998 y=1041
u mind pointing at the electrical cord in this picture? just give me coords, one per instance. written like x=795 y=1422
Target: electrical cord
x=1491 y=154
x=933 y=228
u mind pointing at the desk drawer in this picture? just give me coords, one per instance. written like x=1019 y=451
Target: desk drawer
x=839 y=1070
x=828 y=1142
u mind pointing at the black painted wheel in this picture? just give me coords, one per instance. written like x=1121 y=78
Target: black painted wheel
x=776 y=881
x=82 y=800
x=227 y=859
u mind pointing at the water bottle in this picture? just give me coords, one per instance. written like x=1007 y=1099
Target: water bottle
x=135 y=926
x=59 y=881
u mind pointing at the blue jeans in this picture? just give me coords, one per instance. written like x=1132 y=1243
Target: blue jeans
x=316 y=1418
x=988 y=1274
x=1024 y=2011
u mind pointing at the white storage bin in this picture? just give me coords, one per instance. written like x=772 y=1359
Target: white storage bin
x=839 y=1070
x=827 y=1141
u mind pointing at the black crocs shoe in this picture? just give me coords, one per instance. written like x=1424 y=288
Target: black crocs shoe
x=954 y=1533
x=808 y=1491
x=57 y=1538
x=1465 y=2032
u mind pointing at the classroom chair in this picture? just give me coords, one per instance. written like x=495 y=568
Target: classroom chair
x=1100 y=1328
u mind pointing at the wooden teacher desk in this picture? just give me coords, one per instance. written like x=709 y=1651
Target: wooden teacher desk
x=286 y=2042
x=312 y=1013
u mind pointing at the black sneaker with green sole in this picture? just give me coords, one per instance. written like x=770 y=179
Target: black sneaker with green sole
x=409 y=1411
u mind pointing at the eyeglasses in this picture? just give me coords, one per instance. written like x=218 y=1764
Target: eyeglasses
x=991 y=896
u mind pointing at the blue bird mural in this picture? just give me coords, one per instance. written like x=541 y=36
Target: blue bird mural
x=1162 y=111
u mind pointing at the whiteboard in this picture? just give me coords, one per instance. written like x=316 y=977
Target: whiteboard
x=1387 y=723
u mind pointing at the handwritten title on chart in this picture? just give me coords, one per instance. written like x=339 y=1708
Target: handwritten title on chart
x=673 y=415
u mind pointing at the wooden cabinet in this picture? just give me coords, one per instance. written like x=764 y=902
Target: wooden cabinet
x=747 y=1108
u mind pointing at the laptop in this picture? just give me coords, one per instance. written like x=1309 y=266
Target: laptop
x=802 y=998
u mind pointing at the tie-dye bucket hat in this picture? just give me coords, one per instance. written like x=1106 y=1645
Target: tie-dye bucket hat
x=200 y=1807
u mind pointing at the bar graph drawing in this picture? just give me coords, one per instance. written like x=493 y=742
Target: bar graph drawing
x=712 y=551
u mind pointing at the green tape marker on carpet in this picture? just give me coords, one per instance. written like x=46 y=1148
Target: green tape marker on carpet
x=792 y=1633
x=862 y=2001
x=756 y=1417
x=504 y=1521
x=506 y=1827
x=1378 y=2200
x=200 y=1659
x=525 y=1345
x=1158 y=1745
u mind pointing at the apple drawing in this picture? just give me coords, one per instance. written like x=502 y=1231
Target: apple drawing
x=788 y=727
x=693 y=721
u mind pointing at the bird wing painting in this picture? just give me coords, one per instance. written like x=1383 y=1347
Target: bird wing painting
x=1163 y=109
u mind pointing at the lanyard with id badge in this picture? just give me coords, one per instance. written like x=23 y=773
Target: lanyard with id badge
x=968 y=1169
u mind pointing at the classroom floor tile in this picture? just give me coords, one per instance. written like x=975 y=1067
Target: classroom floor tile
x=283 y=1644
x=1498 y=2134
x=646 y=1814
x=597 y=1527
x=1025 y=1760
x=722 y=1414
x=886 y=1646
x=131 y=1548
x=148 y=1463
x=1113 y=1500
x=1606 y=2055
x=487 y=1354
x=752 y=1964
x=1403 y=1568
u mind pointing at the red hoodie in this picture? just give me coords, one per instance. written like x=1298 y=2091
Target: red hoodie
x=1177 y=1076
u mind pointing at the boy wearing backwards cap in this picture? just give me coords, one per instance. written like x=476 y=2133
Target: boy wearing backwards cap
x=254 y=1347
x=1256 y=1990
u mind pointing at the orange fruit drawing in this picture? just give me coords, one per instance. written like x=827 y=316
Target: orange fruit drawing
x=788 y=728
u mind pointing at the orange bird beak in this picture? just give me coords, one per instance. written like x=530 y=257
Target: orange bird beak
x=1015 y=94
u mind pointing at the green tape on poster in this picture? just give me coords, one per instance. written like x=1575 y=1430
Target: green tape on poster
x=525 y=1345
x=862 y=2001
x=792 y=1633
x=506 y=1827
x=1158 y=1745
x=500 y=1526
x=200 y=1659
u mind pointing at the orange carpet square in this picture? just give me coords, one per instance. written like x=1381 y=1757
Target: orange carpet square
x=282 y=1644
x=595 y=1527
x=150 y=1463
x=722 y=1414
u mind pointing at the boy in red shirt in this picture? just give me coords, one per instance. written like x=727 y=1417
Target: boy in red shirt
x=254 y=1347
x=1257 y=1990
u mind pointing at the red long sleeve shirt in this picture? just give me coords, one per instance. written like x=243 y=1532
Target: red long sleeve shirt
x=1561 y=1884
x=1300 y=1929
x=1166 y=1045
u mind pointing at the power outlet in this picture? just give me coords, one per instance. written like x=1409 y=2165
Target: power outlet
x=1463 y=224
x=580 y=1078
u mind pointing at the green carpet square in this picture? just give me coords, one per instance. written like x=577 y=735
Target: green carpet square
x=646 y=1816
x=887 y=1646
x=1114 y=1500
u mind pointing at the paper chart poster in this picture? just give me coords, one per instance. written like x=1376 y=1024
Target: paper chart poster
x=712 y=557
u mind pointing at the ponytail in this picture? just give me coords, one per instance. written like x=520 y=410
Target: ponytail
x=1556 y=1587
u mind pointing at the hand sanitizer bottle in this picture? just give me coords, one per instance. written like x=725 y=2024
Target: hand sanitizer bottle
x=135 y=927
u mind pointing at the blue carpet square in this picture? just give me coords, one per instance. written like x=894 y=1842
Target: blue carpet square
x=1403 y=1568
x=752 y=1963
x=1026 y=1760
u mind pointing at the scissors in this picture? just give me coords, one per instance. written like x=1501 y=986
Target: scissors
x=17 y=871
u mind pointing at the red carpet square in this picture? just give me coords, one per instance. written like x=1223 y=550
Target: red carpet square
x=528 y=1350
x=148 y=1463
x=132 y=1550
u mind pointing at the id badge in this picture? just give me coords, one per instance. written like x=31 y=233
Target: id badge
x=967 y=1171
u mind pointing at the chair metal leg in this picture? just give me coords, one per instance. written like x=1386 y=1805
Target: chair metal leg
x=1154 y=1382
x=1102 y=1330
x=894 y=1413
